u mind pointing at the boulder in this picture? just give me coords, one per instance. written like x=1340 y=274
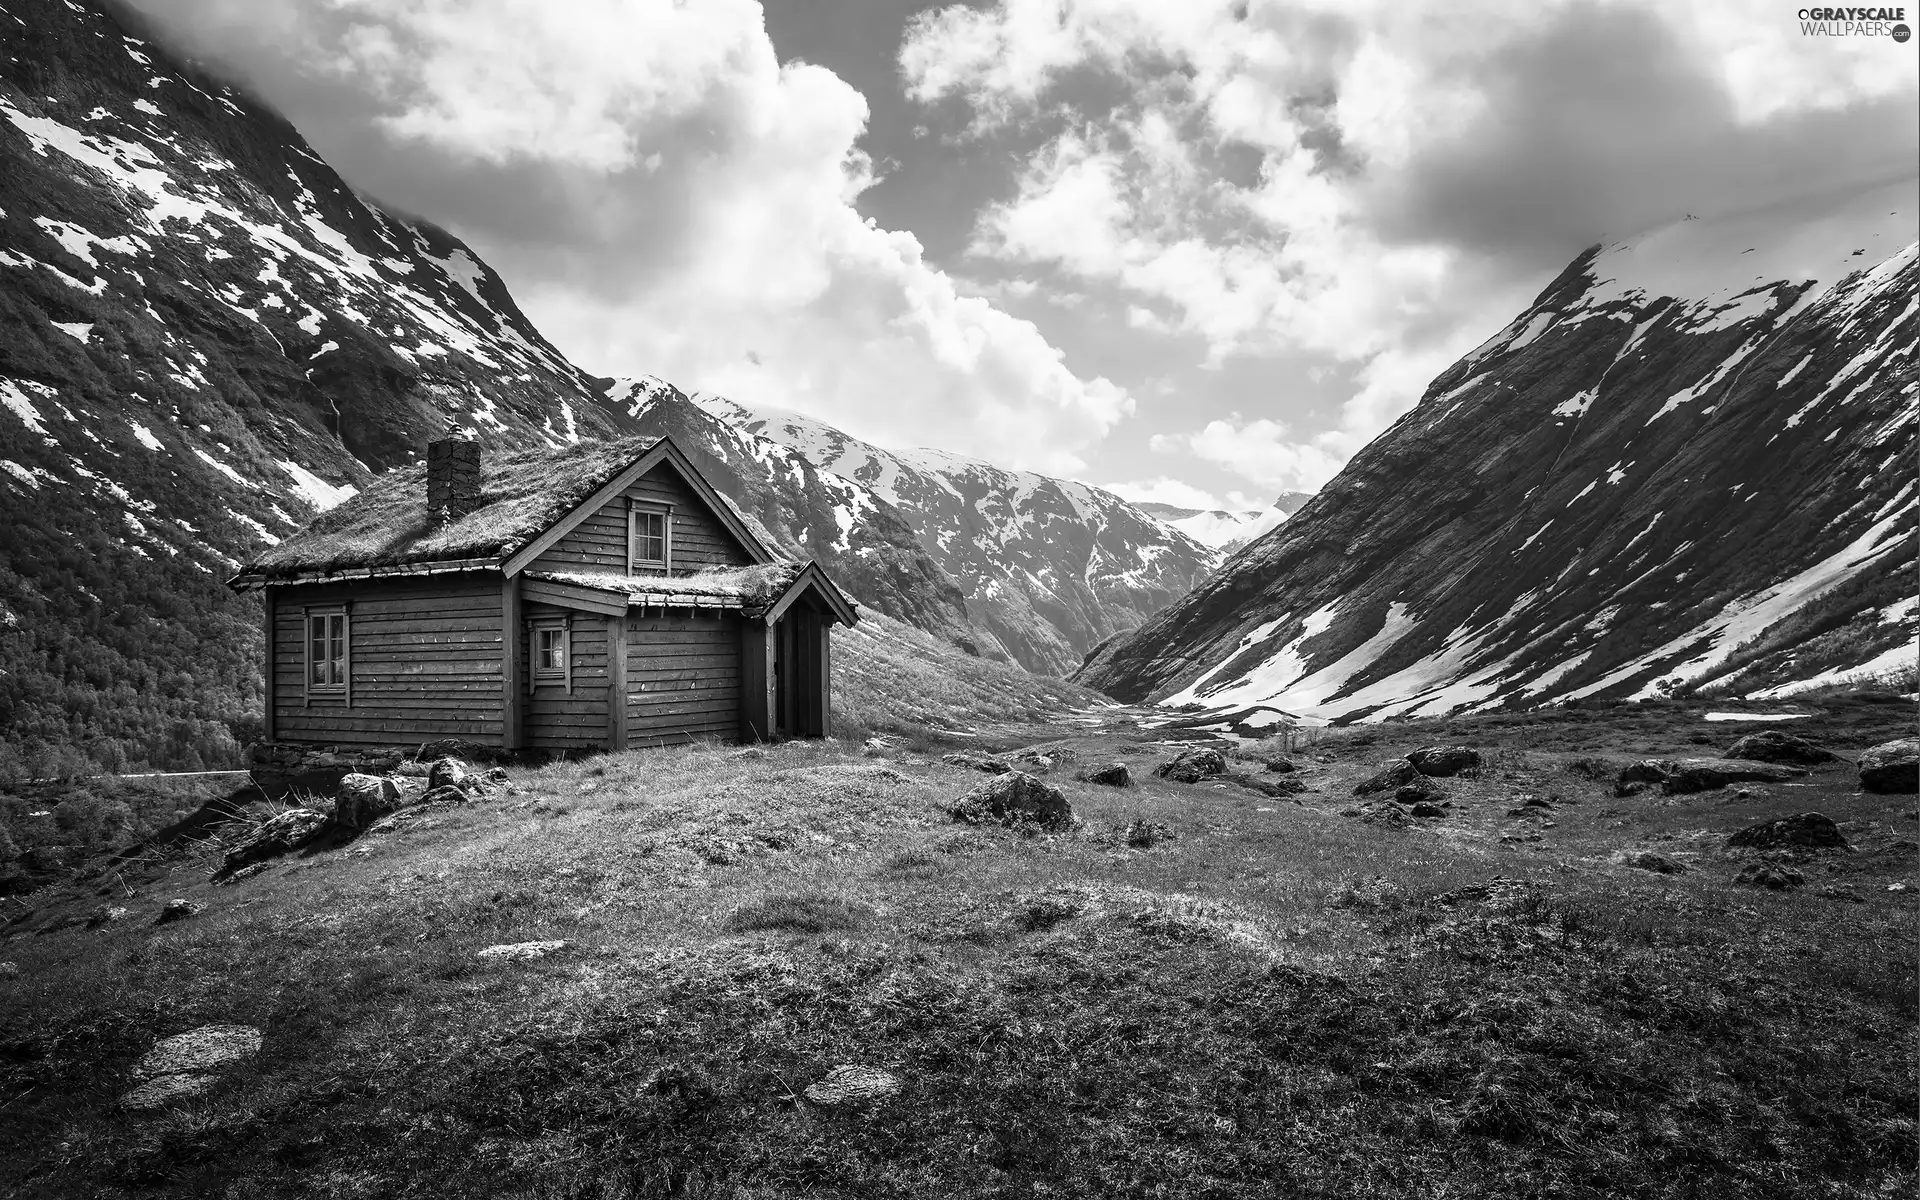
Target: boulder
x=1647 y=770
x=1425 y=809
x=202 y=1049
x=1779 y=746
x=440 y=797
x=1015 y=798
x=273 y=837
x=1192 y=766
x=445 y=772
x=1772 y=876
x=976 y=762
x=1892 y=768
x=1112 y=775
x=1690 y=775
x=1044 y=760
x=1811 y=831
x=1285 y=766
x=176 y=910
x=1659 y=864
x=1266 y=785
x=360 y=800
x=1443 y=761
x=1396 y=774
x=1421 y=791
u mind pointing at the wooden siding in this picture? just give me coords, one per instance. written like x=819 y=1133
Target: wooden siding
x=683 y=677
x=599 y=542
x=557 y=719
x=425 y=658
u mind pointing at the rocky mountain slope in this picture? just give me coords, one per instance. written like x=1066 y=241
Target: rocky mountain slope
x=207 y=338
x=1226 y=529
x=1688 y=464
x=1049 y=567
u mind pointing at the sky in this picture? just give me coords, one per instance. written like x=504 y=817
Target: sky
x=1198 y=252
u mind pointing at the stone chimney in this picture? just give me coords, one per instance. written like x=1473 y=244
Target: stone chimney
x=453 y=479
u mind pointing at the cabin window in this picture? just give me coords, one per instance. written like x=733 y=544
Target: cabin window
x=649 y=540
x=552 y=650
x=329 y=652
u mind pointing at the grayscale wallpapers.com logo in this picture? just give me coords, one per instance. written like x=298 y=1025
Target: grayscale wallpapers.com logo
x=1855 y=22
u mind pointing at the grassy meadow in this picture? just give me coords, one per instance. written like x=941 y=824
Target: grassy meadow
x=1201 y=991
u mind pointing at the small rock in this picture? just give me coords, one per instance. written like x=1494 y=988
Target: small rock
x=1892 y=768
x=201 y=1049
x=1013 y=799
x=1770 y=875
x=1111 y=775
x=876 y=747
x=105 y=915
x=976 y=762
x=1779 y=746
x=1659 y=864
x=852 y=1084
x=1143 y=834
x=1444 y=761
x=1896 y=887
x=1842 y=892
x=176 y=910
x=446 y=772
x=1811 y=830
x=520 y=951
x=1044 y=760
x=1285 y=766
x=1424 y=809
x=1535 y=802
x=9 y=970
x=1394 y=775
x=1192 y=766
x=360 y=800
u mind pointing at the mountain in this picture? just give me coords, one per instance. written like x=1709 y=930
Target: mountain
x=1049 y=567
x=208 y=337
x=1224 y=529
x=1689 y=463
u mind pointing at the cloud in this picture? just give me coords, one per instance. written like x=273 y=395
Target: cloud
x=1163 y=490
x=1420 y=169
x=664 y=197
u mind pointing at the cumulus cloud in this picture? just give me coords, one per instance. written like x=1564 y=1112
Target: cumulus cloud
x=664 y=196
x=1420 y=169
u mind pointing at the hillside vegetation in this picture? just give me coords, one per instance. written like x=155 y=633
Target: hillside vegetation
x=1200 y=991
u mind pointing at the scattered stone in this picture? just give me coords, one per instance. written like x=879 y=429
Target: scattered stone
x=1044 y=760
x=520 y=951
x=273 y=837
x=1384 y=812
x=1809 y=830
x=1772 y=876
x=1192 y=766
x=360 y=800
x=1779 y=746
x=160 y=1092
x=853 y=1084
x=1112 y=775
x=177 y=910
x=1444 y=761
x=1892 y=768
x=1143 y=834
x=1396 y=774
x=1421 y=791
x=202 y=1049
x=1841 y=892
x=1015 y=798
x=976 y=762
x=1284 y=766
x=1659 y=864
x=1425 y=809
x=105 y=915
x=446 y=772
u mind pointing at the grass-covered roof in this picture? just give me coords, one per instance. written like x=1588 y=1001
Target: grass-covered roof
x=523 y=492
x=748 y=588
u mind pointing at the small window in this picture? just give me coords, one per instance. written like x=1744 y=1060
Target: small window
x=551 y=647
x=328 y=655
x=650 y=540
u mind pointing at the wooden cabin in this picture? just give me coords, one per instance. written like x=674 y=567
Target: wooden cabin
x=594 y=597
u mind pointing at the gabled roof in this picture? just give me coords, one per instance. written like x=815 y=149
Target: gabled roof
x=529 y=499
x=766 y=590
